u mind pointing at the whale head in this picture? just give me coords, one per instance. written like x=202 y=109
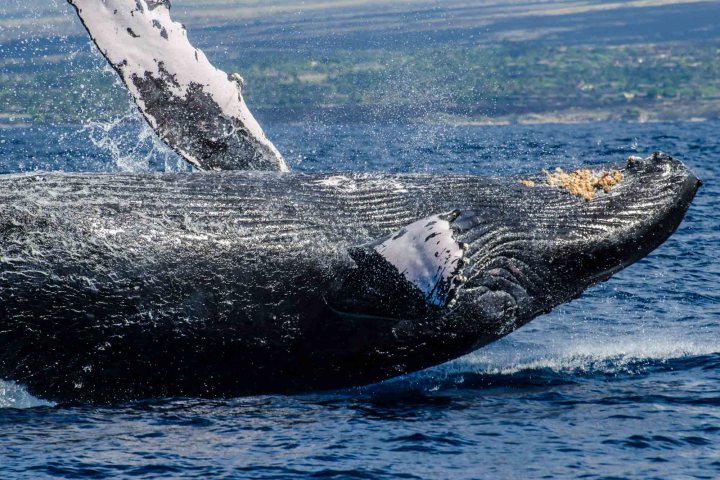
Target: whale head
x=503 y=253
x=546 y=243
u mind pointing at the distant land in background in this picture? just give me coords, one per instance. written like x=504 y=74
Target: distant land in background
x=347 y=60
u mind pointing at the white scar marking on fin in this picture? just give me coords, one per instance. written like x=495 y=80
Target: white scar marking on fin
x=427 y=255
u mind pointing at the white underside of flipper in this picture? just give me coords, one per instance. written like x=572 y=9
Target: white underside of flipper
x=427 y=254
x=194 y=107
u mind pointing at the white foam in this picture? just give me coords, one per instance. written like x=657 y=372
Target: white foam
x=345 y=184
x=339 y=182
x=13 y=395
x=136 y=39
x=615 y=357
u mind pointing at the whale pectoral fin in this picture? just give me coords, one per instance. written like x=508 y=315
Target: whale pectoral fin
x=195 y=108
x=412 y=273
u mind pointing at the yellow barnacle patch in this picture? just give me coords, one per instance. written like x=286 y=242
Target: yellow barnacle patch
x=584 y=183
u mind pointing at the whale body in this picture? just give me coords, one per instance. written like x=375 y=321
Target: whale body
x=123 y=286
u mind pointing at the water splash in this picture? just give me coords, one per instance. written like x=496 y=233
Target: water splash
x=618 y=357
x=513 y=365
x=131 y=144
x=129 y=141
x=13 y=395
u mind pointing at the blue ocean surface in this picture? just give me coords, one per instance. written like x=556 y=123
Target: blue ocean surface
x=622 y=383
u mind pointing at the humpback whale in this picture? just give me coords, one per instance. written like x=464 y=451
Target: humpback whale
x=243 y=278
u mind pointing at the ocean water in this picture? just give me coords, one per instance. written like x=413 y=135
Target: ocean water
x=622 y=383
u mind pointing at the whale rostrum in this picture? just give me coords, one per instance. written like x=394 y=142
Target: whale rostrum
x=195 y=108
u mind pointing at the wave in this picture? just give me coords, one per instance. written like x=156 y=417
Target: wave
x=618 y=357
x=514 y=367
x=13 y=395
